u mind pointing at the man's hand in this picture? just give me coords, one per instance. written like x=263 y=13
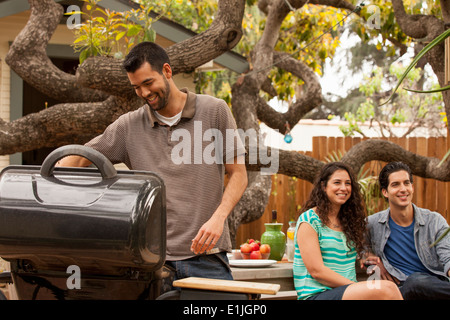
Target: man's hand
x=209 y=234
x=369 y=260
x=386 y=275
x=375 y=260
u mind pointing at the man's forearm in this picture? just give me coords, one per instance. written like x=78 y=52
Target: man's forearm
x=210 y=232
x=234 y=190
x=73 y=161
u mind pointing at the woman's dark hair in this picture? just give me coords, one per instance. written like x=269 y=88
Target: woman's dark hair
x=352 y=214
x=143 y=52
x=391 y=167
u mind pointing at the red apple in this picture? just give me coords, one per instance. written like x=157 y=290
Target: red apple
x=254 y=246
x=246 y=248
x=255 y=255
x=265 y=248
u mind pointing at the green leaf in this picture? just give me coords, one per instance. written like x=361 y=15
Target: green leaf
x=100 y=10
x=83 y=55
x=72 y=13
x=441 y=237
x=149 y=35
x=120 y=35
x=429 y=91
x=323 y=53
x=427 y=48
x=79 y=39
x=444 y=158
x=133 y=30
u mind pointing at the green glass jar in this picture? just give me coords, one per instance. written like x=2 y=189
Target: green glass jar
x=276 y=239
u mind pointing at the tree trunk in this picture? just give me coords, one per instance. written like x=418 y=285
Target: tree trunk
x=28 y=58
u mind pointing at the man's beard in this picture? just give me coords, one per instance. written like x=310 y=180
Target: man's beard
x=163 y=97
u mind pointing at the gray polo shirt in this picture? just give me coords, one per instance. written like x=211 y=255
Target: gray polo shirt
x=189 y=157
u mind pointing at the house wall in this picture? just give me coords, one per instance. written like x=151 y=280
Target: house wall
x=10 y=26
x=4 y=98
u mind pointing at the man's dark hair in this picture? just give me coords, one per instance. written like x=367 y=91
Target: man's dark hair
x=392 y=167
x=143 y=52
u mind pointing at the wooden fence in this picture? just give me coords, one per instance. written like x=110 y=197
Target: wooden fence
x=289 y=193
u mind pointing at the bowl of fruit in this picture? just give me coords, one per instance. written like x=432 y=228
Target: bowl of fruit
x=253 y=249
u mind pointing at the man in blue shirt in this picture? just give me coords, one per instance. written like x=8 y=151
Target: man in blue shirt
x=401 y=236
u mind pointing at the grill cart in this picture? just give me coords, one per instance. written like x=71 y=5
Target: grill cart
x=86 y=233
x=83 y=233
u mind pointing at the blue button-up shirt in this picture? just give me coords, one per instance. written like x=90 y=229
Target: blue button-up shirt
x=428 y=227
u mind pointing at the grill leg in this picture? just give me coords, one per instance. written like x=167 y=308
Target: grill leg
x=171 y=295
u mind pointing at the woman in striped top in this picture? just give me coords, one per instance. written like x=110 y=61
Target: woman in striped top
x=330 y=233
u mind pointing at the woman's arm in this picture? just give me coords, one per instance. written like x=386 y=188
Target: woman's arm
x=308 y=243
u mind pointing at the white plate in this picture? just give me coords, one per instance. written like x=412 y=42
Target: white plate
x=252 y=263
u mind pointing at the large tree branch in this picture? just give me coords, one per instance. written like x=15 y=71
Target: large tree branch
x=77 y=123
x=245 y=98
x=304 y=167
x=341 y=4
x=252 y=204
x=310 y=98
x=445 y=9
x=62 y=124
x=28 y=58
x=249 y=107
x=263 y=52
x=373 y=149
x=105 y=74
x=224 y=33
x=244 y=94
x=417 y=26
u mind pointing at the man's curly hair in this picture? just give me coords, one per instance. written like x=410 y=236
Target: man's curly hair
x=352 y=214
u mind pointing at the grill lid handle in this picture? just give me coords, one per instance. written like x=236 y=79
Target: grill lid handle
x=105 y=166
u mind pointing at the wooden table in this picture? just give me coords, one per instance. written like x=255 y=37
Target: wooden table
x=280 y=273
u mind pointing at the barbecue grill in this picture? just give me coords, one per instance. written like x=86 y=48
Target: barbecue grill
x=94 y=233
x=83 y=233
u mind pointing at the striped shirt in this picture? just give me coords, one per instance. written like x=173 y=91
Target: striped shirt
x=190 y=157
x=336 y=255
